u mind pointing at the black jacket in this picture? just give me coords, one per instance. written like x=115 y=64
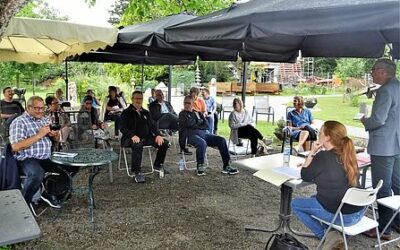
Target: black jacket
x=9 y=175
x=132 y=124
x=190 y=124
x=155 y=109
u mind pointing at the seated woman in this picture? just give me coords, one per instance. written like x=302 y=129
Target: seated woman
x=240 y=122
x=332 y=166
x=114 y=105
x=300 y=120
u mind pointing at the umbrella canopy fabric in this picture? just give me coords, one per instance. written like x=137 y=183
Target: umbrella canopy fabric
x=151 y=36
x=49 y=41
x=325 y=28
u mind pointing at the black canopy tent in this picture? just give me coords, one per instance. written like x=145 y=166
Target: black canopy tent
x=322 y=28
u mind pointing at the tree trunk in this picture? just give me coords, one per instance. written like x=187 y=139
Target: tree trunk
x=8 y=8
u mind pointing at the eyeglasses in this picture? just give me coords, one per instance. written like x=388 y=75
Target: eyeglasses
x=38 y=108
x=187 y=102
x=88 y=103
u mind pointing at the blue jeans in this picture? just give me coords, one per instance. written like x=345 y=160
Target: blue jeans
x=303 y=208
x=386 y=168
x=34 y=169
x=210 y=120
x=200 y=141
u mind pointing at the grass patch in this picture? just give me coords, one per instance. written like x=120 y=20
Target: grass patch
x=266 y=128
x=333 y=108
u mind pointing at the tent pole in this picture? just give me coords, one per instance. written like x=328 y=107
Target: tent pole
x=244 y=82
x=142 y=76
x=169 y=83
x=66 y=80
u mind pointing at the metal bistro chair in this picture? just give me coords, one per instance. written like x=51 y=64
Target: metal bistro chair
x=392 y=202
x=355 y=197
x=261 y=107
x=122 y=153
x=235 y=153
x=187 y=161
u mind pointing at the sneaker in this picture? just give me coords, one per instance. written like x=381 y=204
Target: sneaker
x=372 y=234
x=51 y=200
x=186 y=152
x=267 y=141
x=158 y=169
x=140 y=178
x=200 y=170
x=229 y=170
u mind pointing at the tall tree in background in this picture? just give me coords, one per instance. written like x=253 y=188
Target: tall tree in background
x=8 y=8
x=118 y=9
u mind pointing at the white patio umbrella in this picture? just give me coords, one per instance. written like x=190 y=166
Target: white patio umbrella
x=50 y=41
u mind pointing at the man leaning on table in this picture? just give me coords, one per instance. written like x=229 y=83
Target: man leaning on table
x=138 y=130
x=384 y=140
x=31 y=139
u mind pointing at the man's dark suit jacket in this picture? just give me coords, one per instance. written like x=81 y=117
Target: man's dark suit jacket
x=155 y=109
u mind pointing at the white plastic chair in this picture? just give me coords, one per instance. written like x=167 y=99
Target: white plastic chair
x=355 y=197
x=392 y=202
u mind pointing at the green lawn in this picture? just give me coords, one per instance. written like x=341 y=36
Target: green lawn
x=266 y=128
x=333 y=108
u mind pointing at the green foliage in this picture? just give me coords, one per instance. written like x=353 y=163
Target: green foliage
x=354 y=100
x=183 y=75
x=324 y=66
x=144 y=10
x=217 y=70
x=126 y=73
x=352 y=67
x=40 y=9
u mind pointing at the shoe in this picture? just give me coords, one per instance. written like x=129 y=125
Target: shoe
x=333 y=241
x=158 y=169
x=51 y=200
x=140 y=178
x=396 y=228
x=200 y=170
x=260 y=151
x=32 y=209
x=186 y=152
x=229 y=170
x=267 y=141
x=372 y=234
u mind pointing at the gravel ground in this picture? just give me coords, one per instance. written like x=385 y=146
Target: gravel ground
x=180 y=211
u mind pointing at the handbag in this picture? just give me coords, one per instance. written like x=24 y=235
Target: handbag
x=284 y=241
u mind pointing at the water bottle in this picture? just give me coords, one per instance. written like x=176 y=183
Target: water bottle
x=286 y=148
x=181 y=164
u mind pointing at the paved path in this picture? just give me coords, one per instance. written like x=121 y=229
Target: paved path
x=279 y=103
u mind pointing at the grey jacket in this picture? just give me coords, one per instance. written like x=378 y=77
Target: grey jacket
x=384 y=123
x=235 y=122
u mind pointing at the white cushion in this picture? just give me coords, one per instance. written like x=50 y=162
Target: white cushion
x=363 y=225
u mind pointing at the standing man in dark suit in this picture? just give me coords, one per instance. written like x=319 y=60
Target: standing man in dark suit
x=384 y=140
x=138 y=130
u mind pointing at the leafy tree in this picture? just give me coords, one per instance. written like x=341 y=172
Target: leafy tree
x=217 y=70
x=352 y=67
x=8 y=8
x=117 y=11
x=324 y=66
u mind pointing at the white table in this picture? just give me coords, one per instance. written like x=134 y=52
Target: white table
x=17 y=223
x=267 y=163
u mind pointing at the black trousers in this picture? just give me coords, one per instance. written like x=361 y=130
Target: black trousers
x=250 y=132
x=168 y=121
x=137 y=152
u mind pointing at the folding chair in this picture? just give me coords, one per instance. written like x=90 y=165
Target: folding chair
x=355 y=197
x=392 y=202
x=261 y=107
x=186 y=161
x=122 y=152
x=235 y=153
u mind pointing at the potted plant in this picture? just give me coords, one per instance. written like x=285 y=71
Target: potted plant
x=278 y=132
x=310 y=102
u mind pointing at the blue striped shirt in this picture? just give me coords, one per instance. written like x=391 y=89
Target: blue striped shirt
x=24 y=127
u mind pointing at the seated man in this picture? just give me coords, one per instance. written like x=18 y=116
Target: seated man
x=194 y=128
x=31 y=139
x=138 y=130
x=162 y=112
x=9 y=109
x=300 y=121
